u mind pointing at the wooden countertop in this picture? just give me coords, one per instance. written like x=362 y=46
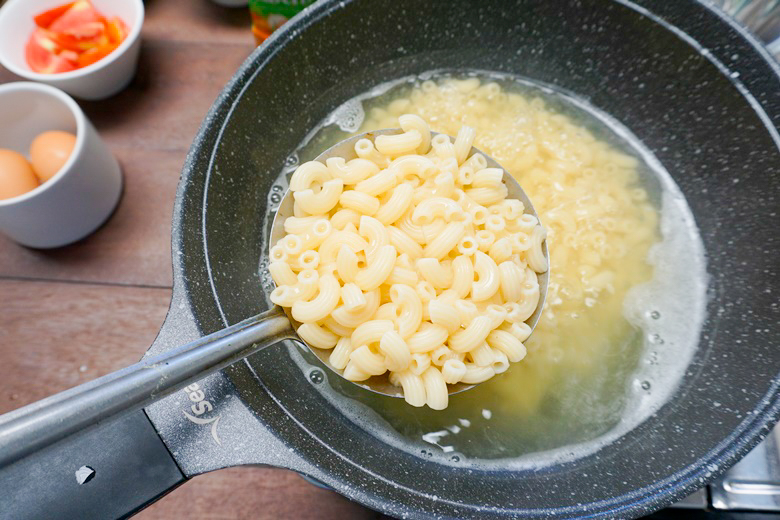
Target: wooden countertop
x=73 y=314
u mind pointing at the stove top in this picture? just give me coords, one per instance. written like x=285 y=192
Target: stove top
x=752 y=485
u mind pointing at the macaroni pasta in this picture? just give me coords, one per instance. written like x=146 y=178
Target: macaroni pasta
x=410 y=261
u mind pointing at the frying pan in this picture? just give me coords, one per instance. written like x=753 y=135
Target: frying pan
x=681 y=76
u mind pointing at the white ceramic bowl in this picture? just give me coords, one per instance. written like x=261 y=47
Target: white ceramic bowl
x=82 y=195
x=97 y=81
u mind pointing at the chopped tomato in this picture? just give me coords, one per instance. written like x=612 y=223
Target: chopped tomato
x=86 y=31
x=116 y=30
x=90 y=56
x=41 y=55
x=45 y=19
x=40 y=38
x=73 y=43
x=71 y=56
x=72 y=36
x=80 y=15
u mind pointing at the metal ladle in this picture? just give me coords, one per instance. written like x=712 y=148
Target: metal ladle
x=49 y=420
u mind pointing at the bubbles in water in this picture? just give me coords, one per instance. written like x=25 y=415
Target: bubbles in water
x=678 y=292
x=276 y=194
x=291 y=161
x=265 y=276
x=652 y=358
x=455 y=458
x=348 y=117
x=316 y=376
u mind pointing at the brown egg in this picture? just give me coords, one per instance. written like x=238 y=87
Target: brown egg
x=49 y=152
x=16 y=175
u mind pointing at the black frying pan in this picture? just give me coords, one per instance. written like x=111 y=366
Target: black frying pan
x=680 y=76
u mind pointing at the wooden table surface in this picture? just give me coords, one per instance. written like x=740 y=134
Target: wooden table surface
x=72 y=314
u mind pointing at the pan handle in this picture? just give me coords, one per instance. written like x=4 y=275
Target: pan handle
x=38 y=425
x=107 y=472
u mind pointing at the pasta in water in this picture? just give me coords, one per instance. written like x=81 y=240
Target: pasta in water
x=409 y=260
x=600 y=224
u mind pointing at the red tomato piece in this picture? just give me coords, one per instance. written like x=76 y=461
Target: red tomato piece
x=88 y=31
x=116 y=30
x=80 y=18
x=70 y=56
x=41 y=38
x=42 y=57
x=95 y=54
x=46 y=18
x=71 y=42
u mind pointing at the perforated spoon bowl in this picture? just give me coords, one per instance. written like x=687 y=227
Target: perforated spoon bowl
x=346 y=149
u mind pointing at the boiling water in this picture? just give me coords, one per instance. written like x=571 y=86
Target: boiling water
x=610 y=348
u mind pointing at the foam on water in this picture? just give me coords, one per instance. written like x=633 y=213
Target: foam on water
x=348 y=117
x=669 y=309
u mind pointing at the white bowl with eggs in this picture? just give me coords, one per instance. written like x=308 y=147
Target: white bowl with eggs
x=100 y=80
x=78 y=196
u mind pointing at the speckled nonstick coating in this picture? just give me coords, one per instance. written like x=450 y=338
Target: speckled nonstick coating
x=694 y=87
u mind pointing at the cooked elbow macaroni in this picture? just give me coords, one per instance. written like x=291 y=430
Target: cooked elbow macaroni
x=411 y=261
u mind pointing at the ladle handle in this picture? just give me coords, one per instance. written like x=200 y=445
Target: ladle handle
x=45 y=422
